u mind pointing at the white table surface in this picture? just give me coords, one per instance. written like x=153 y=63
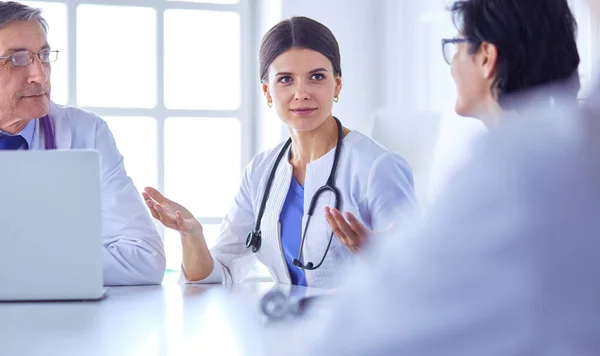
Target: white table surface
x=169 y=319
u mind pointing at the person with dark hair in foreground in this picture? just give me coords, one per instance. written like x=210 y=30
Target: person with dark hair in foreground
x=507 y=261
x=505 y=49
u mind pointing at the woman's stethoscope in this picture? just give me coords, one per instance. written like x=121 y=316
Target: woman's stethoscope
x=276 y=305
x=254 y=238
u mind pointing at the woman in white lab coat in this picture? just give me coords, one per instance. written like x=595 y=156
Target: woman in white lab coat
x=279 y=212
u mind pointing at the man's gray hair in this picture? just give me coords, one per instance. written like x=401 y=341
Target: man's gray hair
x=11 y=11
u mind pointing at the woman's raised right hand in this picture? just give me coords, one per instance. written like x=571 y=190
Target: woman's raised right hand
x=171 y=214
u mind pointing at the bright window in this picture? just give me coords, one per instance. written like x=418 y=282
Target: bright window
x=168 y=79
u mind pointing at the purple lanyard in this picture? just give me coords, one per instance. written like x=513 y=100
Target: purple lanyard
x=48 y=130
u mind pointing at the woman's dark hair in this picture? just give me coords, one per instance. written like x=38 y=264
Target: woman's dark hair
x=535 y=41
x=298 y=32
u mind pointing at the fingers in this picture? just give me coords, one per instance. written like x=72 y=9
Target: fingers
x=342 y=229
x=188 y=226
x=147 y=198
x=357 y=226
x=150 y=203
x=153 y=200
x=155 y=195
x=154 y=213
x=159 y=213
x=179 y=219
x=348 y=229
x=333 y=223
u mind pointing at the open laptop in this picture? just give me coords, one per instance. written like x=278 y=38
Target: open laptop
x=50 y=228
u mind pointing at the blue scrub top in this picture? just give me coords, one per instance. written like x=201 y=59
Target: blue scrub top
x=291 y=229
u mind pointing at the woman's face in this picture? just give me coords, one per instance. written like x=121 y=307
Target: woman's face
x=473 y=75
x=301 y=85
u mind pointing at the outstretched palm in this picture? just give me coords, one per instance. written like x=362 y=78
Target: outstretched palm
x=171 y=214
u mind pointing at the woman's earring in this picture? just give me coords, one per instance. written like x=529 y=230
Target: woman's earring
x=336 y=98
x=270 y=104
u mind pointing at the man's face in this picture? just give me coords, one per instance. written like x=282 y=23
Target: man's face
x=24 y=90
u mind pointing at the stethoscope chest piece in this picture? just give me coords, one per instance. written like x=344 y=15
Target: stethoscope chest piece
x=253 y=240
x=275 y=305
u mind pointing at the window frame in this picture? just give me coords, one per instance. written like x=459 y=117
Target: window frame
x=160 y=112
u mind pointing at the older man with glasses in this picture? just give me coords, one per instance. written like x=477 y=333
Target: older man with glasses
x=133 y=251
